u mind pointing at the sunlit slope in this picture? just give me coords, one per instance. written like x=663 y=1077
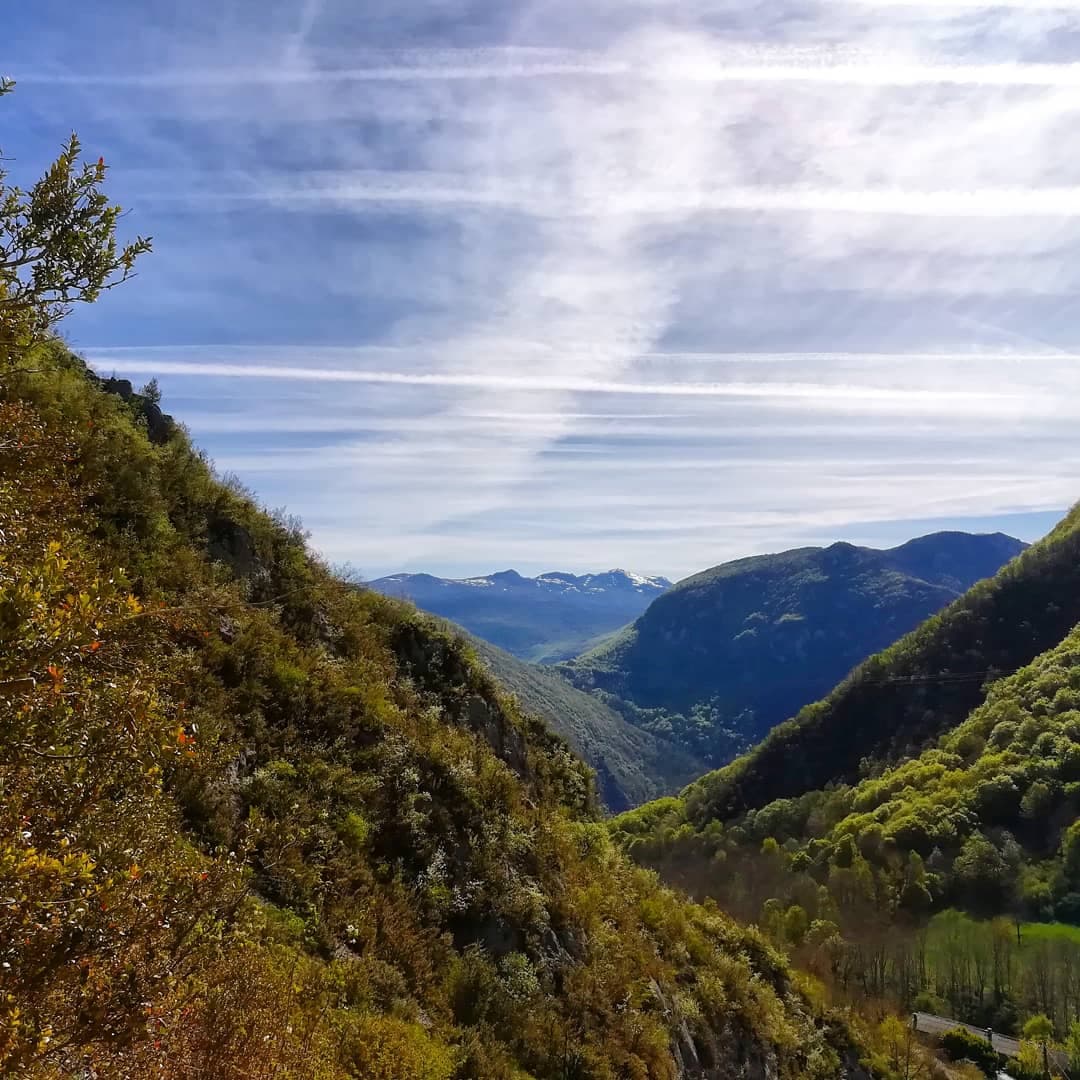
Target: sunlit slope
x=918 y=688
x=252 y=814
x=751 y=642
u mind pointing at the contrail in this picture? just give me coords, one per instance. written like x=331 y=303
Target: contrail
x=500 y=347
x=720 y=65
x=413 y=189
x=558 y=383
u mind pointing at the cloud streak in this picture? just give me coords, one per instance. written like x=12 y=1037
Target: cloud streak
x=569 y=384
x=821 y=65
x=642 y=284
x=1051 y=202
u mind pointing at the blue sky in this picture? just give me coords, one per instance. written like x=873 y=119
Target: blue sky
x=582 y=283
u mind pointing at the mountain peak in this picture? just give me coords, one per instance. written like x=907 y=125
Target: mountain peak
x=549 y=617
x=757 y=638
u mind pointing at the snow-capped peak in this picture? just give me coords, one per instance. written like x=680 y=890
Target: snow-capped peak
x=639 y=579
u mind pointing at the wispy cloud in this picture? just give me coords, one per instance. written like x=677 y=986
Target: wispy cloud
x=711 y=64
x=1050 y=202
x=949 y=401
x=625 y=278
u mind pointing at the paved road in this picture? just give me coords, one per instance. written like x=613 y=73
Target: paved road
x=930 y=1024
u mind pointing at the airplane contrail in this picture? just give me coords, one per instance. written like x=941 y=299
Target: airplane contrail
x=717 y=65
x=418 y=190
x=558 y=383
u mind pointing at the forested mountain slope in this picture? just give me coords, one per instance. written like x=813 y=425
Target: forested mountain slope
x=542 y=619
x=257 y=823
x=919 y=688
x=631 y=764
x=754 y=640
x=862 y=882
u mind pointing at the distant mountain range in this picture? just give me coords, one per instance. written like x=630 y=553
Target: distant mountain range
x=544 y=619
x=746 y=644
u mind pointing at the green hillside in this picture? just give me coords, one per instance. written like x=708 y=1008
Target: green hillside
x=919 y=688
x=993 y=806
x=258 y=823
x=750 y=642
x=951 y=878
x=247 y=806
x=934 y=864
x=631 y=765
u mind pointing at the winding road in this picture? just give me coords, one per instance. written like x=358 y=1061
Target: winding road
x=929 y=1024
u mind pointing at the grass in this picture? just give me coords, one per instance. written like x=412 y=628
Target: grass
x=1056 y=931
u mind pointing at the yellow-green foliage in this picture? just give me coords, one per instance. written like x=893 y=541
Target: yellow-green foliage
x=256 y=822
x=384 y=1048
x=262 y=823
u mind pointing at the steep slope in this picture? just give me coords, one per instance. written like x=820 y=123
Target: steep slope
x=951 y=877
x=1011 y=769
x=758 y=638
x=631 y=765
x=541 y=619
x=258 y=823
x=922 y=686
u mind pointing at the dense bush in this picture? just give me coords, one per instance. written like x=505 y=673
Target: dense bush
x=962 y=1045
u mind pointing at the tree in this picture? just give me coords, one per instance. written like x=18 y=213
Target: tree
x=1072 y=1047
x=58 y=243
x=1037 y=802
x=1039 y=1029
x=152 y=392
x=896 y=1036
x=984 y=879
x=796 y=924
x=1070 y=851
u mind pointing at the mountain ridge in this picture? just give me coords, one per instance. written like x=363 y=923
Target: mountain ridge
x=757 y=638
x=617 y=577
x=548 y=617
x=1000 y=624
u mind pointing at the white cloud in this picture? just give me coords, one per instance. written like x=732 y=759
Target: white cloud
x=552 y=246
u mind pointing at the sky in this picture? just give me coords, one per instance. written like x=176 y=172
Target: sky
x=575 y=284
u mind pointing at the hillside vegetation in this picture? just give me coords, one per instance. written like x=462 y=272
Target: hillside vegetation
x=631 y=765
x=247 y=806
x=917 y=689
x=932 y=881
x=256 y=823
x=746 y=644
